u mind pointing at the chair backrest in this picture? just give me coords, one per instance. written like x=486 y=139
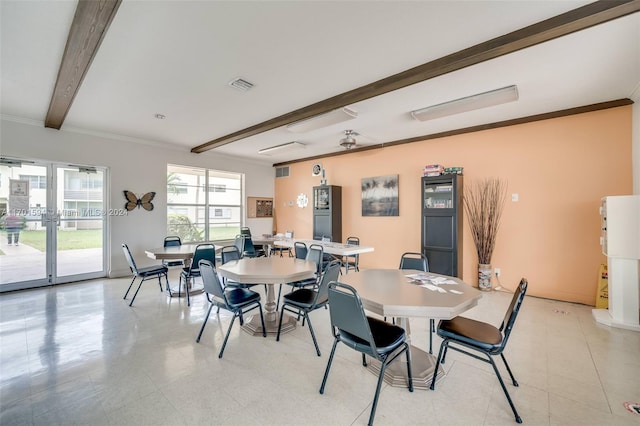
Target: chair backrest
x=511 y=314
x=172 y=241
x=331 y=273
x=245 y=231
x=416 y=261
x=315 y=254
x=249 y=248
x=228 y=253
x=300 y=249
x=210 y=280
x=239 y=242
x=130 y=261
x=205 y=251
x=325 y=239
x=347 y=315
x=353 y=241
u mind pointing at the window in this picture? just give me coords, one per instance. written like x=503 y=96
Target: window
x=35 y=182
x=204 y=204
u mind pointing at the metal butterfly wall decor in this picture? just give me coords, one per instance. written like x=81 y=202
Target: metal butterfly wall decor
x=133 y=201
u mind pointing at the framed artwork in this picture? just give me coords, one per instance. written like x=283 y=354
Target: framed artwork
x=18 y=188
x=259 y=207
x=380 y=196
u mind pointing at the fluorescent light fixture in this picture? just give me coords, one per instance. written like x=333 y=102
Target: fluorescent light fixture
x=469 y=103
x=285 y=147
x=323 y=120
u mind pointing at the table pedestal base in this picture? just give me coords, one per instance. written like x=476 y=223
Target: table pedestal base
x=423 y=365
x=253 y=325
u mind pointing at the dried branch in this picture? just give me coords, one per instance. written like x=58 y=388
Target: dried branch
x=483 y=203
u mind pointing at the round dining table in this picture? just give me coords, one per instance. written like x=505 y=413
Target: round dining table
x=271 y=271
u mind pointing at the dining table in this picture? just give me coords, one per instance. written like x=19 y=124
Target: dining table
x=404 y=294
x=329 y=247
x=270 y=270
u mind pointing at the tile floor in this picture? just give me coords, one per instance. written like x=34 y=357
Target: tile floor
x=78 y=354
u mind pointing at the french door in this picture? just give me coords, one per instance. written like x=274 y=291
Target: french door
x=60 y=210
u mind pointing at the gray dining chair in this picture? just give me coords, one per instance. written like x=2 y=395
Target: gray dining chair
x=238 y=301
x=146 y=273
x=370 y=336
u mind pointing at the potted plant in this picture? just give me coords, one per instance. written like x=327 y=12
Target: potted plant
x=483 y=203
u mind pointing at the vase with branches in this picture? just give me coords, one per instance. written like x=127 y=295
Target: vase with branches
x=483 y=203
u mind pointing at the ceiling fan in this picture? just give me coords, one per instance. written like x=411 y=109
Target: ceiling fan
x=349 y=140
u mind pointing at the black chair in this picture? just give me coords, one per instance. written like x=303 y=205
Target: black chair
x=462 y=334
x=351 y=261
x=305 y=300
x=250 y=250
x=279 y=249
x=144 y=273
x=239 y=243
x=202 y=252
x=416 y=261
x=245 y=230
x=237 y=300
x=300 y=250
x=370 y=336
x=172 y=241
x=419 y=262
x=229 y=253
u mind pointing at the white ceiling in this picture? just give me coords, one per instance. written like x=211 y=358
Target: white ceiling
x=176 y=57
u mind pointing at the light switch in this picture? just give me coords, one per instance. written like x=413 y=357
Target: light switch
x=514 y=197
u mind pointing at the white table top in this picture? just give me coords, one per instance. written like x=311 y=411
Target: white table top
x=182 y=252
x=268 y=270
x=389 y=292
x=338 y=249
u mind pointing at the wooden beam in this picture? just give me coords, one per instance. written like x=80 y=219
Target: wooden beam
x=575 y=20
x=89 y=26
x=515 y=121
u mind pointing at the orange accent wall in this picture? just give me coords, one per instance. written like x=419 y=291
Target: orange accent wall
x=560 y=168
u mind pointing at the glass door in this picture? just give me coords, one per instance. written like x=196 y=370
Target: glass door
x=53 y=224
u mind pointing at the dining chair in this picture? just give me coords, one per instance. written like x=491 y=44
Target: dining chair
x=306 y=300
x=314 y=254
x=370 y=336
x=351 y=261
x=205 y=251
x=245 y=230
x=250 y=250
x=411 y=260
x=238 y=301
x=279 y=249
x=419 y=262
x=238 y=241
x=463 y=334
x=300 y=250
x=227 y=254
x=172 y=241
x=144 y=274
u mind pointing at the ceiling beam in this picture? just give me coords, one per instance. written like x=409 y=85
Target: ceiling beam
x=575 y=20
x=89 y=26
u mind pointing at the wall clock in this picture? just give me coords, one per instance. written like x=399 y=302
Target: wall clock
x=302 y=200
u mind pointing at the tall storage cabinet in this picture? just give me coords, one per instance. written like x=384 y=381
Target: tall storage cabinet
x=327 y=212
x=442 y=223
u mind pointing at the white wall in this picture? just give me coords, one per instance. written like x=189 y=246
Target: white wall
x=136 y=167
x=635 y=149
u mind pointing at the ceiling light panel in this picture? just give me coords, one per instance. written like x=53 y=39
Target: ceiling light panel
x=469 y=103
x=278 y=149
x=323 y=120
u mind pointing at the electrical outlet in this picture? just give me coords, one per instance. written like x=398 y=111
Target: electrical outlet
x=496 y=271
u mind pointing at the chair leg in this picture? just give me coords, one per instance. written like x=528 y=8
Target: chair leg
x=166 y=278
x=504 y=388
x=130 y=284
x=278 y=298
x=136 y=293
x=280 y=324
x=409 y=372
x=443 y=346
x=313 y=336
x=432 y=326
x=227 y=336
x=383 y=367
x=513 y=380
x=264 y=329
x=326 y=371
x=179 y=284
x=205 y=322
x=160 y=283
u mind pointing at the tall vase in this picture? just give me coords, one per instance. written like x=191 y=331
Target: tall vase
x=484 y=277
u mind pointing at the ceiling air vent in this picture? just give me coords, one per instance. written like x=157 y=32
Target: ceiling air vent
x=241 y=84
x=282 y=172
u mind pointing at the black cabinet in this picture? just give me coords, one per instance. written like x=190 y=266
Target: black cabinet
x=442 y=223
x=327 y=212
